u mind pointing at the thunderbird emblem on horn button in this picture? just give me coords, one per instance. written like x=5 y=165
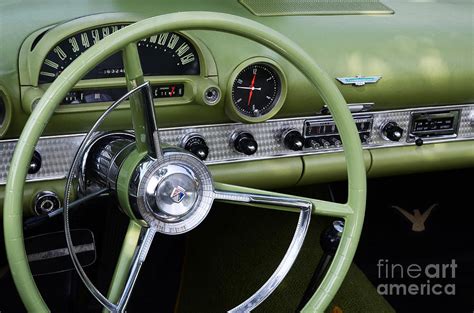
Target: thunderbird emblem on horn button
x=178 y=194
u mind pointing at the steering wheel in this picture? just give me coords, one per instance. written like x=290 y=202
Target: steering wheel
x=165 y=168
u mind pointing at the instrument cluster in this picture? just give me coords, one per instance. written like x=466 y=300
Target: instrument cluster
x=161 y=54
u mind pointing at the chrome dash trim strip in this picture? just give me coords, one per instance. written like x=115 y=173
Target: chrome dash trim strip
x=293 y=250
x=58 y=151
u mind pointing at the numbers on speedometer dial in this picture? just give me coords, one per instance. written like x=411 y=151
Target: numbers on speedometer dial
x=256 y=90
x=161 y=54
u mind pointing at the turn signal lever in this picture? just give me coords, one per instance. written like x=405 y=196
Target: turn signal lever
x=329 y=241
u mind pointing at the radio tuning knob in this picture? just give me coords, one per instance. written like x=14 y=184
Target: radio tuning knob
x=244 y=142
x=195 y=144
x=391 y=131
x=292 y=139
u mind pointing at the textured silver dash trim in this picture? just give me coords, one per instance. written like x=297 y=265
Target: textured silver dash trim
x=58 y=151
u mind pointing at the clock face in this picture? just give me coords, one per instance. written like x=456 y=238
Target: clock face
x=256 y=90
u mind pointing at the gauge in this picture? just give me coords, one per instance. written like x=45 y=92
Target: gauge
x=94 y=95
x=256 y=91
x=2 y=110
x=161 y=54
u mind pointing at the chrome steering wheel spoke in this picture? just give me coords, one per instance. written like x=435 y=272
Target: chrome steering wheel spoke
x=271 y=200
x=253 y=197
x=118 y=297
x=141 y=104
x=141 y=251
x=303 y=206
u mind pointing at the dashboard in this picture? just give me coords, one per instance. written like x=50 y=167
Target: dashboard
x=244 y=109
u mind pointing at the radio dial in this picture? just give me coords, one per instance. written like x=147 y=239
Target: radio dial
x=293 y=140
x=392 y=131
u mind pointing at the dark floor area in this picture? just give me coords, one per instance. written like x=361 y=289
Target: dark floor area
x=421 y=270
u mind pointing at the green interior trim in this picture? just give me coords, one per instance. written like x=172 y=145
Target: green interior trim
x=404 y=57
x=123 y=264
x=328 y=167
x=123 y=183
x=429 y=157
x=8 y=111
x=186 y=20
x=279 y=173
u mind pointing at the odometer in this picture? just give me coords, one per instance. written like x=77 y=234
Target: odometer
x=256 y=90
x=161 y=54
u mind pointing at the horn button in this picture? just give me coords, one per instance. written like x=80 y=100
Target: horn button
x=174 y=194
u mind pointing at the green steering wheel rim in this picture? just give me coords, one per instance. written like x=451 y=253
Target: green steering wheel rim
x=13 y=206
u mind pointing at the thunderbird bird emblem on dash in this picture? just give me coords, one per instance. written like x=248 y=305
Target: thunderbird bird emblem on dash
x=359 y=80
x=178 y=194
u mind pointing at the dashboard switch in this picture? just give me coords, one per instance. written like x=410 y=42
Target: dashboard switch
x=195 y=144
x=391 y=131
x=244 y=142
x=293 y=140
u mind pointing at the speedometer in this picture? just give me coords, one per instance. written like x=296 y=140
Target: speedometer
x=161 y=54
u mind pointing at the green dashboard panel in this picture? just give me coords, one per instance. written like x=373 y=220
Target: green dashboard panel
x=423 y=54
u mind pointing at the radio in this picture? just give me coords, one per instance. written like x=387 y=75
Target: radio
x=323 y=133
x=433 y=124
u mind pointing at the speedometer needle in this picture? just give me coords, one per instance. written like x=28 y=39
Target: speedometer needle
x=251 y=88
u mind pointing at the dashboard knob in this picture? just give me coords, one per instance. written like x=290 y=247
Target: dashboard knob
x=324 y=143
x=35 y=164
x=313 y=143
x=195 y=144
x=46 y=202
x=392 y=131
x=335 y=141
x=244 y=142
x=293 y=140
x=419 y=142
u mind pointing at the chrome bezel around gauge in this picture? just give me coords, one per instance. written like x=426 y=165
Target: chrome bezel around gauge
x=36 y=47
x=231 y=107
